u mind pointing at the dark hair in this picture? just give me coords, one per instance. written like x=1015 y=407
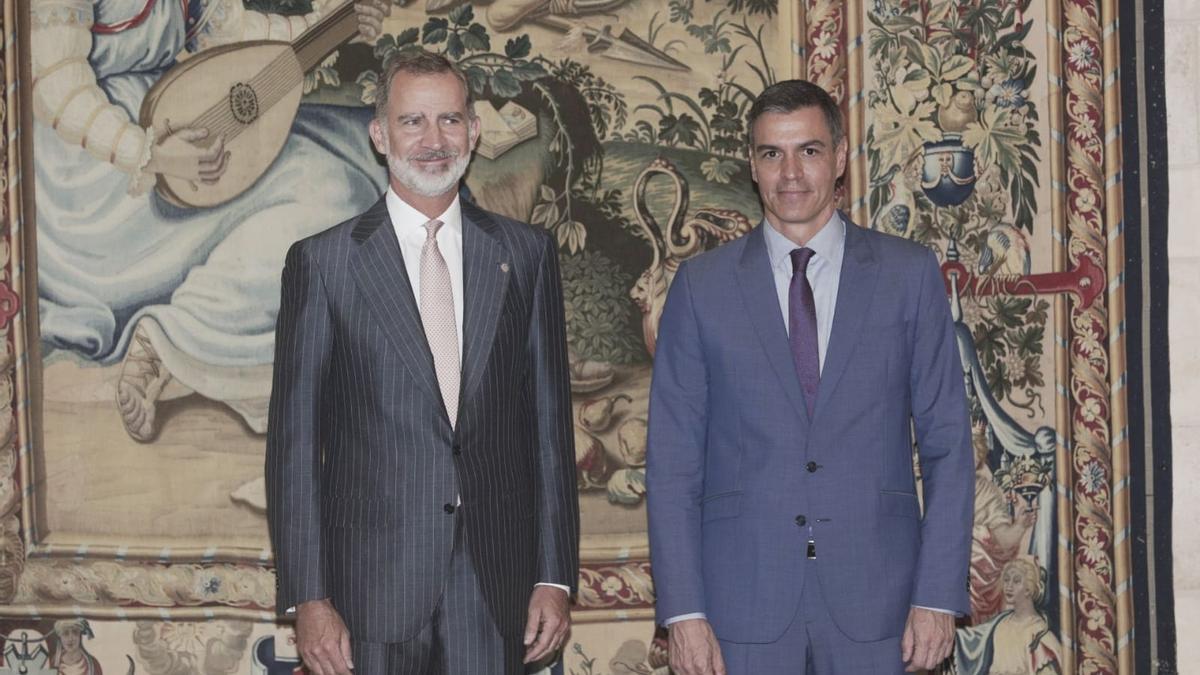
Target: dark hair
x=791 y=95
x=417 y=61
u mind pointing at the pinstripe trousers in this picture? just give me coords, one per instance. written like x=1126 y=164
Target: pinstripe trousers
x=461 y=637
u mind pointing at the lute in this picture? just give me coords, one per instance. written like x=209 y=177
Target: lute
x=248 y=93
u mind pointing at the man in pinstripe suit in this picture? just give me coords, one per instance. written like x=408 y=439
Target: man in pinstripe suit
x=419 y=468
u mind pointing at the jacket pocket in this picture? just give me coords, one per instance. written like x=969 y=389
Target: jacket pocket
x=722 y=505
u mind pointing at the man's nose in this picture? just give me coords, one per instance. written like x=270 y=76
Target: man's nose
x=433 y=137
x=793 y=167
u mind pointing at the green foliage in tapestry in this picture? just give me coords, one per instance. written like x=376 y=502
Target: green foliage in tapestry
x=607 y=108
x=287 y=7
x=596 y=298
x=712 y=120
x=953 y=155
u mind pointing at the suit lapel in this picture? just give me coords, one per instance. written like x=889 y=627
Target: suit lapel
x=762 y=303
x=856 y=287
x=485 y=280
x=382 y=279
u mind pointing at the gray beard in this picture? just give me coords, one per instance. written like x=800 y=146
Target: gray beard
x=428 y=184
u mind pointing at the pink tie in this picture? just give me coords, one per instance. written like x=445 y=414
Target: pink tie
x=437 y=315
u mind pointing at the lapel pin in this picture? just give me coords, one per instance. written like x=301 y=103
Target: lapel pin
x=504 y=267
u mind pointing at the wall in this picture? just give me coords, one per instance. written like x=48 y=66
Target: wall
x=1183 y=123
x=1183 y=127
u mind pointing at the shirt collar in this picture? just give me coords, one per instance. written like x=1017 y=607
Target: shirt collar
x=828 y=244
x=407 y=219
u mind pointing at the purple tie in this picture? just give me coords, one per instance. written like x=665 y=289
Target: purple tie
x=802 y=327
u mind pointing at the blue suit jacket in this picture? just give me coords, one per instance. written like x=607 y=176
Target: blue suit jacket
x=731 y=447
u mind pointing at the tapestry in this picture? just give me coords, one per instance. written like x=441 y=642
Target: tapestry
x=139 y=294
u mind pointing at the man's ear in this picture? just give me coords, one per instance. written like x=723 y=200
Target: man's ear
x=476 y=128
x=842 y=148
x=378 y=136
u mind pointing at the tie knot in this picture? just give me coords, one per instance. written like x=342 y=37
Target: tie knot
x=431 y=228
x=800 y=258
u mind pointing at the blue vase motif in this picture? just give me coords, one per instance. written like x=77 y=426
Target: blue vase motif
x=948 y=174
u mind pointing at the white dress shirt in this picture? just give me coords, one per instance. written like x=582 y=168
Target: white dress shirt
x=824 y=273
x=409 y=224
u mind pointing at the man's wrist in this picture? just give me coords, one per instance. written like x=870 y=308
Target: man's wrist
x=685 y=617
x=939 y=610
x=564 y=589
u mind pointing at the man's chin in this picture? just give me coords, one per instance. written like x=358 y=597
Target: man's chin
x=440 y=185
x=428 y=181
x=797 y=217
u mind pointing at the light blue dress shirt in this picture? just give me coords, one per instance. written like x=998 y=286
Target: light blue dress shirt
x=824 y=273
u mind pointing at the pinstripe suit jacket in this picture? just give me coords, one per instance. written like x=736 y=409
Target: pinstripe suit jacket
x=362 y=463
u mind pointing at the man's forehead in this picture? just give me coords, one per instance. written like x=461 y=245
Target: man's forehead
x=803 y=126
x=413 y=90
x=786 y=141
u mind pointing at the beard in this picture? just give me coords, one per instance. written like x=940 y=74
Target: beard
x=426 y=184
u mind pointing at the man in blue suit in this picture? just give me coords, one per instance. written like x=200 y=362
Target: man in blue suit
x=793 y=367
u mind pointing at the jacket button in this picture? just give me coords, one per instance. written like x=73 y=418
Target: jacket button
x=448 y=508
x=457 y=450
x=812 y=467
x=801 y=521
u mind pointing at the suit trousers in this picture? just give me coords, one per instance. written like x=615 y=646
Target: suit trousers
x=813 y=645
x=461 y=637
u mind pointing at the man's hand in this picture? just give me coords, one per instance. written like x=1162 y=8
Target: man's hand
x=549 y=621
x=322 y=639
x=693 y=649
x=928 y=639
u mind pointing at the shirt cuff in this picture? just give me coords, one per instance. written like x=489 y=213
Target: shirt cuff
x=685 y=617
x=565 y=589
x=938 y=610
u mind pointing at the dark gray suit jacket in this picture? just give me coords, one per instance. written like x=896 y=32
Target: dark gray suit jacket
x=363 y=467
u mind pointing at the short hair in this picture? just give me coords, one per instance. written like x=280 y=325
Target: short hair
x=417 y=61
x=791 y=95
x=1031 y=575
